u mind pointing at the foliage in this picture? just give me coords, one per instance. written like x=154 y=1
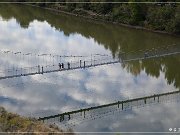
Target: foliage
x=159 y=17
x=156 y=16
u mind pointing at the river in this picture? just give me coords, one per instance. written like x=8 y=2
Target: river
x=30 y=36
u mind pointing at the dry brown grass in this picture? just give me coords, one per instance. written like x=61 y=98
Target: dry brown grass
x=10 y=122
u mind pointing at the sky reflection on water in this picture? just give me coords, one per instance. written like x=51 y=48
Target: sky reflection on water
x=47 y=94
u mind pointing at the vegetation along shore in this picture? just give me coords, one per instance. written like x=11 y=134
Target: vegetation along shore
x=157 y=17
x=10 y=122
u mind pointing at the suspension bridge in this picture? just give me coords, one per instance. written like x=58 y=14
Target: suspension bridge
x=92 y=112
x=94 y=60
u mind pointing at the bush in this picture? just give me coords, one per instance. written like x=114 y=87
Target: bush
x=176 y=21
x=158 y=18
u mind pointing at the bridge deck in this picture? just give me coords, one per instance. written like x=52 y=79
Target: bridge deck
x=90 y=65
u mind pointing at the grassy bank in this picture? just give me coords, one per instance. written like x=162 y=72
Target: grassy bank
x=10 y=122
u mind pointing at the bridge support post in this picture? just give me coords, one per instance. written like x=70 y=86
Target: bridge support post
x=84 y=64
x=145 y=100
x=84 y=114
x=69 y=116
x=39 y=69
x=80 y=63
x=118 y=104
x=60 y=119
x=68 y=65
x=42 y=70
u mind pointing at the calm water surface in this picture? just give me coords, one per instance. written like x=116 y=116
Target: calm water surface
x=31 y=30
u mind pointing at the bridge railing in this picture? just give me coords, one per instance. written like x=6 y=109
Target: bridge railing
x=94 y=60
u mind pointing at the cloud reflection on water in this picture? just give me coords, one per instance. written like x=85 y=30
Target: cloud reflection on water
x=51 y=94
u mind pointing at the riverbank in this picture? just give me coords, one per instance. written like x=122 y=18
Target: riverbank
x=100 y=18
x=10 y=122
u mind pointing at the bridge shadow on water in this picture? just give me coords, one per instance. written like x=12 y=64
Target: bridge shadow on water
x=92 y=113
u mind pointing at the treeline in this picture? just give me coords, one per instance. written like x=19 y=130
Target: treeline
x=155 y=16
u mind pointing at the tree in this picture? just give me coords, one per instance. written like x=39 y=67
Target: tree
x=137 y=12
